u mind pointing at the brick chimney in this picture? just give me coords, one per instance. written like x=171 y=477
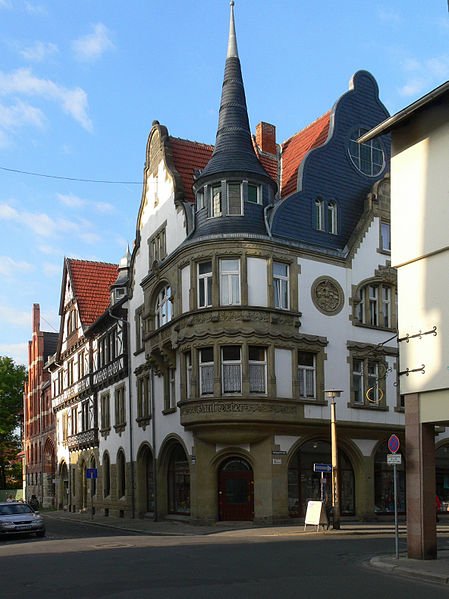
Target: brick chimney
x=266 y=137
x=36 y=318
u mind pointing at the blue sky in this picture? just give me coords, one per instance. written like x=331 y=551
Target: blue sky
x=81 y=83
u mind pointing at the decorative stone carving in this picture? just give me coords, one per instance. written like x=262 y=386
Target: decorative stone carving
x=327 y=295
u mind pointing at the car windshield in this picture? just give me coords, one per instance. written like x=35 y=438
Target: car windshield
x=15 y=508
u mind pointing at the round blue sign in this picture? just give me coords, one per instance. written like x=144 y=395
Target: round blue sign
x=393 y=443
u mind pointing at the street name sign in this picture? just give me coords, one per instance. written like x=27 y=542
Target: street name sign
x=322 y=468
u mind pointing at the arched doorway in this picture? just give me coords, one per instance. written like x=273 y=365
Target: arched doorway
x=145 y=481
x=178 y=482
x=48 y=476
x=442 y=476
x=384 y=482
x=235 y=490
x=304 y=484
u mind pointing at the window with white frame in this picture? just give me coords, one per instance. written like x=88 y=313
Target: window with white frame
x=158 y=245
x=216 y=200
x=368 y=157
x=170 y=389
x=205 y=284
x=281 y=285
x=230 y=282
x=332 y=217
x=254 y=194
x=200 y=200
x=231 y=369
x=81 y=364
x=206 y=369
x=139 y=328
x=257 y=369
x=385 y=237
x=375 y=305
x=307 y=374
x=163 y=308
x=70 y=372
x=234 y=199
x=319 y=214
x=366 y=384
x=85 y=420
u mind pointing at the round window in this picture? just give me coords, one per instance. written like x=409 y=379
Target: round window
x=367 y=157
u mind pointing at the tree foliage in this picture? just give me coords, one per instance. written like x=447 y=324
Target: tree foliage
x=12 y=378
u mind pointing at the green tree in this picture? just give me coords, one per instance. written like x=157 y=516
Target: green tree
x=12 y=378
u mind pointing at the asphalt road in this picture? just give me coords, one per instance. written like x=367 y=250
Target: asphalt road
x=82 y=561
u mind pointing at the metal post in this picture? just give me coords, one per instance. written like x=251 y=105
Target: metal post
x=335 y=476
x=396 y=529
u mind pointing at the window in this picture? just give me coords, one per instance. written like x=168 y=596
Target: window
x=257 y=367
x=375 y=306
x=143 y=397
x=74 y=420
x=254 y=195
x=206 y=358
x=164 y=311
x=385 y=238
x=157 y=244
x=205 y=284
x=332 y=217
x=70 y=373
x=120 y=417
x=234 y=199
x=216 y=200
x=280 y=285
x=231 y=365
x=307 y=375
x=121 y=474
x=85 y=420
x=319 y=214
x=178 y=482
x=81 y=365
x=170 y=389
x=188 y=365
x=367 y=157
x=230 y=282
x=366 y=383
x=106 y=475
x=71 y=322
x=200 y=200
x=105 y=417
x=139 y=329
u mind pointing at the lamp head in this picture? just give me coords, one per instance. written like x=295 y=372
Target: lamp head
x=333 y=393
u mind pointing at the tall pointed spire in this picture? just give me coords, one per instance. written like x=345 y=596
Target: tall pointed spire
x=233 y=150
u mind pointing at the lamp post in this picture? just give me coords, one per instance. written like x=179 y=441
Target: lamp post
x=333 y=394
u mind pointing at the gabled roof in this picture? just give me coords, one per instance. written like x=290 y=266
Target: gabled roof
x=91 y=282
x=294 y=150
x=189 y=156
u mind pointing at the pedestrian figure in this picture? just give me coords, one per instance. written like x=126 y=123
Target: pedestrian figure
x=34 y=502
x=10 y=499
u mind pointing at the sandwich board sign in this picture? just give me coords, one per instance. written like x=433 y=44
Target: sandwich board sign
x=315 y=514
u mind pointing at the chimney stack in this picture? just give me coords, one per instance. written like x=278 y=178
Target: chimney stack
x=266 y=138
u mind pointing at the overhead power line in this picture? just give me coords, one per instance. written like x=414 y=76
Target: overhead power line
x=14 y=170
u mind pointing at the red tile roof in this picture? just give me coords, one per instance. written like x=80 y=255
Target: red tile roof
x=188 y=157
x=295 y=148
x=91 y=282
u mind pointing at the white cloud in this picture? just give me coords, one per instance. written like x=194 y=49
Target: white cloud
x=9 y=266
x=39 y=51
x=17 y=351
x=70 y=200
x=93 y=45
x=20 y=114
x=35 y=9
x=50 y=250
x=424 y=74
x=5 y=4
x=15 y=317
x=104 y=207
x=72 y=101
x=44 y=226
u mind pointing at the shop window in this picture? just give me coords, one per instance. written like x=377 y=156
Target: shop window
x=106 y=474
x=178 y=482
x=121 y=474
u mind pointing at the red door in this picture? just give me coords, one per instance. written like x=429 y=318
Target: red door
x=236 y=491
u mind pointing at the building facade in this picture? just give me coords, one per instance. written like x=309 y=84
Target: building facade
x=39 y=422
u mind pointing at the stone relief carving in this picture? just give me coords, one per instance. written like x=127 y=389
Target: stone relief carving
x=327 y=295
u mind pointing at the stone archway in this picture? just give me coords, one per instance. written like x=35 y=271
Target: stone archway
x=145 y=496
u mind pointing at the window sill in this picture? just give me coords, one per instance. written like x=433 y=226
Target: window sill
x=312 y=402
x=356 y=406
x=119 y=428
x=168 y=411
x=104 y=432
x=357 y=323
x=143 y=422
x=139 y=351
x=399 y=409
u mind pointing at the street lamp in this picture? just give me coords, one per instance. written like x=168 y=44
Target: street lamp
x=333 y=394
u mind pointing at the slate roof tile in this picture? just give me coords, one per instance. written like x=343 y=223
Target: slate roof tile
x=91 y=282
x=295 y=149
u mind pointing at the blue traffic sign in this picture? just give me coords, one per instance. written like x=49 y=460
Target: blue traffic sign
x=322 y=468
x=91 y=473
x=393 y=443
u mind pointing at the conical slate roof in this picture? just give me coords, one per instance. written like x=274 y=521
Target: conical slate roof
x=233 y=147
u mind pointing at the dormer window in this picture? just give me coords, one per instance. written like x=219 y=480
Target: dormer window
x=254 y=194
x=235 y=199
x=332 y=217
x=216 y=197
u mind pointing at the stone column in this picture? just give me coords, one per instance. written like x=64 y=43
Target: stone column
x=420 y=452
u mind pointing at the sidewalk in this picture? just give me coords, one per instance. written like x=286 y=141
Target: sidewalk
x=436 y=571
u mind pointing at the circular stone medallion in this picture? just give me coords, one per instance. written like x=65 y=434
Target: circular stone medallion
x=327 y=295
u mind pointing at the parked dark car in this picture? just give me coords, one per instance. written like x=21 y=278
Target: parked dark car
x=19 y=518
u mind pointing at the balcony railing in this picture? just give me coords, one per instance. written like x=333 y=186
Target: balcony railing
x=83 y=440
